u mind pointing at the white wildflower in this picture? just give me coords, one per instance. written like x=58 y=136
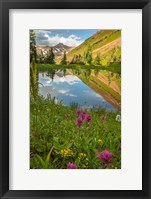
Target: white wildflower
x=118 y=118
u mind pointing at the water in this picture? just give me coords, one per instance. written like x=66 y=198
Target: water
x=69 y=89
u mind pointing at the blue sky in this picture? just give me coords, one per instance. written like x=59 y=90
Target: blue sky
x=67 y=37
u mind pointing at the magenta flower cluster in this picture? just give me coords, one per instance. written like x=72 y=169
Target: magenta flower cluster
x=82 y=116
x=71 y=166
x=105 y=156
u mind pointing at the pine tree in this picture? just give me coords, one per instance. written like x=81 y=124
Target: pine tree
x=51 y=57
x=64 y=59
x=33 y=79
x=97 y=60
x=73 y=60
x=77 y=59
x=88 y=55
x=33 y=53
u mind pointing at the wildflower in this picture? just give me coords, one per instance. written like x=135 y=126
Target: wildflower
x=103 y=117
x=72 y=165
x=118 y=118
x=66 y=153
x=105 y=156
x=83 y=115
x=88 y=118
x=82 y=155
x=78 y=112
x=35 y=134
x=79 y=122
x=100 y=142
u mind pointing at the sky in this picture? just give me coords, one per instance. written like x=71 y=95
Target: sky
x=67 y=37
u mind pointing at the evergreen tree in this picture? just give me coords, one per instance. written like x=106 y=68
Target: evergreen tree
x=51 y=73
x=77 y=59
x=97 y=60
x=33 y=79
x=64 y=59
x=88 y=55
x=73 y=59
x=33 y=53
x=51 y=57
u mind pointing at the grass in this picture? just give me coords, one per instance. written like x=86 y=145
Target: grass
x=60 y=138
x=107 y=40
x=115 y=67
x=56 y=139
x=96 y=41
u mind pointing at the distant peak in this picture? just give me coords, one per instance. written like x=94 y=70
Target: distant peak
x=60 y=44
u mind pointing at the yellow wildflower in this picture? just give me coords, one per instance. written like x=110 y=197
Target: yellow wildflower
x=82 y=155
x=66 y=152
x=100 y=142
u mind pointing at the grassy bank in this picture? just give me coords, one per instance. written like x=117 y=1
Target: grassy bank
x=57 y=138
x=115 y=68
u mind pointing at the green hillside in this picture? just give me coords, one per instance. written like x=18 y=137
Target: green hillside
x=104 y=43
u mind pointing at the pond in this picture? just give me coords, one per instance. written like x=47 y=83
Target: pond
x=70 y=90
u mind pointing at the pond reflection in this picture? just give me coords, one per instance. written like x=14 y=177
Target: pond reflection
x=69 y=89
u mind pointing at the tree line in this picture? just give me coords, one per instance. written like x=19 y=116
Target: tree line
x=113 y=56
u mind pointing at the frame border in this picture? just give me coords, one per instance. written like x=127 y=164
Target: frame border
x=5 y=5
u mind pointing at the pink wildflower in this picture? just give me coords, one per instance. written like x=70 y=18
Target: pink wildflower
x=83 y=115
x=88 y=118
x=79 y=122
x=78 y=112
x=105 y=156
x=72 y=165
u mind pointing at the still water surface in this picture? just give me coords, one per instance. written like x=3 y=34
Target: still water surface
x=69 y=89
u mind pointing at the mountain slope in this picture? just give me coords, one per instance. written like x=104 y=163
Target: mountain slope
x=58 y=50
x=101 y=43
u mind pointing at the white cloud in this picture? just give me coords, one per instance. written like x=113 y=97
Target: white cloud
x=74 y=37
x=47 y=81
x=63 y=91
x=69 y=41
x=70 y=79
x=71 y=95
x=45 y=38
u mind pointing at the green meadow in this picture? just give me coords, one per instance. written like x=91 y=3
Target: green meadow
x=57 y=139
x=75 y=103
